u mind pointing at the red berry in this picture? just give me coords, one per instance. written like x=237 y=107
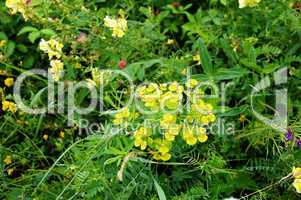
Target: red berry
x=122 y=64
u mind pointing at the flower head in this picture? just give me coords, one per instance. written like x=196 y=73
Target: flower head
x=248 y=3
x=297 y=185
x=9 y=106
x=118 y=26
x=8 y=160
x=57 y=69
x=8 y=82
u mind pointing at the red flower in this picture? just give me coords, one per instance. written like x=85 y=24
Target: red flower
x=122 y=64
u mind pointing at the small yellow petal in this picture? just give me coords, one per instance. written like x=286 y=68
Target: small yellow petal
x=297 y=185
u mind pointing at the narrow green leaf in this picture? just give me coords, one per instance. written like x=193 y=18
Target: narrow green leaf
x=27 y=29
x=205 y=58
x=160 y=191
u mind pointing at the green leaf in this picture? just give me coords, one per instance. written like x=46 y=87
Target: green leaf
x=160 y=191
x=33 y=36
x=3 y=36
x=205 y=58
x=22 y=48
x=10 y=48
x=48 y=32
x=27 y=29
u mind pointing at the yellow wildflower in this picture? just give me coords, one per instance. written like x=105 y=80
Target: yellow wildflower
x=7 y=160
x=8 y=82
x=2 y=43
x=172 y=132
x=297 y=172
x=189 y=137
x=10 y=171
x=173 y=86
x=45 y=137
x=168 y=120
x=62 y=134
x=142 y=138
x=191 y=83
x=122 y=116
x=242 y=118
x=197 y=58
x=248 y=3
x=170 y=42
x=57 y=69
x=9 y=106
x=17 y=6
x=118 y=26
x=297 y=185
x=52 y=47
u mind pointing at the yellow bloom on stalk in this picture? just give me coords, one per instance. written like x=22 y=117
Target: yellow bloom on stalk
x=45 y=137
x=189 y=137
x=57 y=69
x=17 y=6
x=173 y=86
x=10 y=171
x=118 y=26
x=122 y=116
x=8 y=160
x=197 y=58
x=168 y=120
x=52 y=47
x=142 y=138
x=172 y=132
x=163 y=147
x=191 y=83
x=202 y=136
x=62 y=134
x=170 y=42
x=2 y=43
x=8 y=82
x=248 y=3
x=297 y=172
x=297 y=185
x=9 y=106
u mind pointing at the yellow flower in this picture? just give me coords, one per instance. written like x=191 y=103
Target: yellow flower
x=202 y=138
x=191 y=83
x=57 y=69
x=52 y=47
x=170 y=42
x=8 y=82
x=9 y=106
x=2 y=43
x=163 y=157
x=197 y=58
x=248 y=3
x=173 y=86
x=122 y=116
x=242 y=118
x=118 y=26
x=297 y=172
x=168 y=120
x=184 y=72
x=189 y=137
x=142 y=138
x=7 y=160
x=45 y=137
x=62 y=134
x=297 y=185
x=17 y=6
x=10 y=171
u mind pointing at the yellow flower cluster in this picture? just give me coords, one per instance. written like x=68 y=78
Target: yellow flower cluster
x=122 y=117
x=99 y=77
x=52 y=47
x=118 y=26
x=248 y=3
x=8 y=160
x=54 y=50
x=8 y=82
x=16 y=6
x=297 y=182
x=9 y=106
x=164 y=95
x=191 y=123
